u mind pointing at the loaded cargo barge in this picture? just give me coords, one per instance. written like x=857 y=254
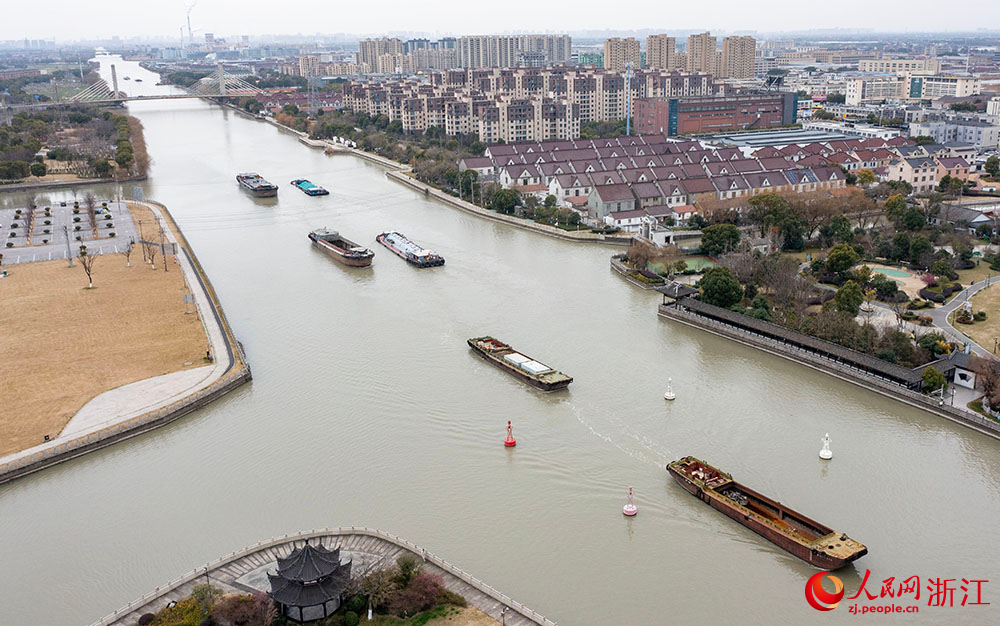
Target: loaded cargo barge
x=309 y=188
x=256 y=185
x=341 y=249
x=409 y=251
x=805 y=538
x=519 y=365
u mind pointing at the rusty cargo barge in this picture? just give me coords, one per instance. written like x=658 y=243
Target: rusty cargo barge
x=341 y=249
x=797 y=534
x=520 y=366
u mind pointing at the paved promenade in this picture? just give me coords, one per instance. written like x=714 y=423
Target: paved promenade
x=369 y=549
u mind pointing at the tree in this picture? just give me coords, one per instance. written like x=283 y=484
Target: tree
x=38 y=169
x=933 y=379
x=719 y=239
x=841 y=258
x=922 y=140
x=992 y=165
x=866 y=177
x=395 y=127
x=407 y=568
x=127 y=252
x=987 y=371
x=942 y=268
x=840 y=229
x=88 y=265
x=505 y=201
x=849 y=298
x=550 y=201
x=379 y=587
x=720 y=287
x=206 y=596
x=419 y=595
x=921 y=250
x=639 y=254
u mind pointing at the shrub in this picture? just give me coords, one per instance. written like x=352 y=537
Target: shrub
x=47 y=222
x=111 y=234
x=17 y=212
x=206 y=596
x=979 y=316
x=13 y=225
x=356 y=603
x=908 y=315
x=79 y=238
x=419 y=595
x=10 y=244
x=351 y=619
x=407 y=567
x=244 y=610
x=46 y=231
x=184 y=613
x=12 y=234
x=934 y=296
x=76 y=219
x=146 y=618
x=75 y=211
x=109 y=225
x=447 y=596
x=107 y=217
x=45 y=240
x=925 y=320
x=929 y=279
x=76 y=228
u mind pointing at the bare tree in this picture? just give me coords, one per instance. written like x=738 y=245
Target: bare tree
x=88 y=265
x=151 y=250
x=127 y=252
x=90 y=202
x=988 y=378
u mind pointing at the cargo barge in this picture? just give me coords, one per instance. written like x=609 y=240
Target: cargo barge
x=256 y=185
x=805 y=538
x=341 y=249
x=409 y=251
x=309 y=188
x=519 y=365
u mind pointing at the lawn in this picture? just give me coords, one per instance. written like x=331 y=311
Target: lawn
x=983 y=332
x=445 y=615
x=64 y=344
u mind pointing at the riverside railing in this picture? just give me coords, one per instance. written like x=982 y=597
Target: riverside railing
x=851 y=373
x=448 y=567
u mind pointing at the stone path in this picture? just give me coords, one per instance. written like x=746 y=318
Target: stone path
x=240 y=572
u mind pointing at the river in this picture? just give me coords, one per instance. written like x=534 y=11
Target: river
x=367 y=408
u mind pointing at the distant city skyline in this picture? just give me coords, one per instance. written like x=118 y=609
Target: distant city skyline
x=70 y=21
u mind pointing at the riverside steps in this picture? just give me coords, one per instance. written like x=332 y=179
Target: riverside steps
x=370 y=549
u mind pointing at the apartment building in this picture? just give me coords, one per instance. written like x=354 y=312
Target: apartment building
x=519 y=104
x=621 y=53
x=661 y=53
x=701 y=54
x=983 y=135
x=896 y=66
x=369 y=50
x=738 y=54
x=475 y=51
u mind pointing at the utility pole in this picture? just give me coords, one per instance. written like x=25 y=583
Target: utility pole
x=69 y=251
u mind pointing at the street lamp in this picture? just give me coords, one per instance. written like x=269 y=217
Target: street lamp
x=503 y=616
x=996 y=340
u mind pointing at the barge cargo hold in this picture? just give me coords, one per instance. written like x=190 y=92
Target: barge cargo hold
x=519 y=365
x=341 y=249
x=256 y=185
x=309 y=188
x=805 y=538
x=409 y=251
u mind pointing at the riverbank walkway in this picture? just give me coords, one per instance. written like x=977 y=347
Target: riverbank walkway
x=369 y=549
x=141 y=406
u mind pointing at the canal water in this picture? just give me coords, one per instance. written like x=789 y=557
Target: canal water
x=367 y=408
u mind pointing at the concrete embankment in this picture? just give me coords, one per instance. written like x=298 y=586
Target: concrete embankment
x=835 y=368
x=233 y=573
x=626 y=272
x=230 y=362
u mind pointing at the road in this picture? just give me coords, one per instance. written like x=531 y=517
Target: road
x=940 y=315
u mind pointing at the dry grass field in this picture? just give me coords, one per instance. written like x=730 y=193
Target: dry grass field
x=64 y=344
x=983 y=332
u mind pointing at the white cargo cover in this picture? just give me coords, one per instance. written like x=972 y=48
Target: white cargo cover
x=515 y=358
x=535 y=367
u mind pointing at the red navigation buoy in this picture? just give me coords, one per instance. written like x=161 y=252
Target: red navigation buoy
x=630 y=508
x=509 y=442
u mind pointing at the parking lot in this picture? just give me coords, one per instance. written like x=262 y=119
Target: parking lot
x=52 y=226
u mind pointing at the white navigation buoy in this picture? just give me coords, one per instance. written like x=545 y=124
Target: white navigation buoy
x=630 y=509
x=670 y=390
x=825 y=452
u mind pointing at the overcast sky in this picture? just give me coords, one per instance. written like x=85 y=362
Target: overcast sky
x=76 y=19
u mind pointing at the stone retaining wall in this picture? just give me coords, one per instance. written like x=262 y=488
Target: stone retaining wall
x=835 y=368
x=625 y=271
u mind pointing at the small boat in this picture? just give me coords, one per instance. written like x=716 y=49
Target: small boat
x=126 y=78
x=805 y=538
x=256 y=185
x=341 y=249
x=522 y=367
x=138 y=80
x=408 y=250
x=309 y=188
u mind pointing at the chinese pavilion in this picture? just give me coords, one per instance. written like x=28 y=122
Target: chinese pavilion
x=309 y=583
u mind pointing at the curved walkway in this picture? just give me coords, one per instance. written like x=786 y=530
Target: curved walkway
x=370 y=549
x=940 y=314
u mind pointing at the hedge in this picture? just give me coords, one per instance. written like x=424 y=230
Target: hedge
x=934 y=296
